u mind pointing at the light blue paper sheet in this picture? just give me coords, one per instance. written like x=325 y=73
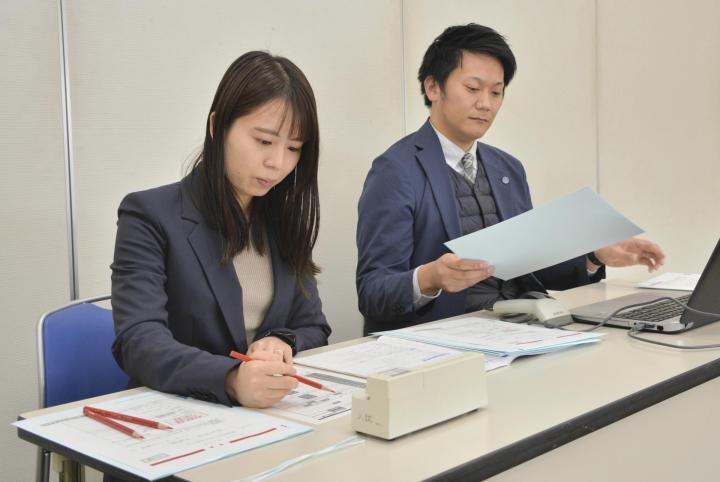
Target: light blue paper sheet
x=562 y=229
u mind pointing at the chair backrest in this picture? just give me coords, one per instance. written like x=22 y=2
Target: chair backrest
x=74 y=353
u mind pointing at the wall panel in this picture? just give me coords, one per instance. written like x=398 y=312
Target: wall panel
x=143 y=77
x=659 y=111
x=548 y=119
x=34 y=255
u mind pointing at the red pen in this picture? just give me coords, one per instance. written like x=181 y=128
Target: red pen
x=301 y=379
x=112 y=424
x=128 y=418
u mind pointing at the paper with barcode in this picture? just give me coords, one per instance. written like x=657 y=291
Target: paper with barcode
x=310 y=405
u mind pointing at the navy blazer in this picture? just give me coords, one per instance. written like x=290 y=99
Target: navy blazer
x=408 y=210
x=178 y=311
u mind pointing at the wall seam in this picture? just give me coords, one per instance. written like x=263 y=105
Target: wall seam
x=69 y=158
x=402 y=58
x=597 y=100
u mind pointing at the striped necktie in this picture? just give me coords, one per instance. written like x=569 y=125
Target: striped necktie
x=469 y=167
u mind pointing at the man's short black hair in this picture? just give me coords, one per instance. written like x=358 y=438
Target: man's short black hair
x=445 y=53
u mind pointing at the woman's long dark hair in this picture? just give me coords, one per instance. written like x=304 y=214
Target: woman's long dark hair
x=290 y=212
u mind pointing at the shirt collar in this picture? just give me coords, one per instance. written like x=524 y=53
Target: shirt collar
x=452 y=152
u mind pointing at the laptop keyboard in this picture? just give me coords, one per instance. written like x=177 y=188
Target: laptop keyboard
x=656 y=312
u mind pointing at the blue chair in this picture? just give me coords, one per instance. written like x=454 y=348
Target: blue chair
x=75 y=359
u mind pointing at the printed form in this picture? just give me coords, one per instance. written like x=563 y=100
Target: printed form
x=310 y=405
x=386 y=353
x=494 y=336
x=201 y=432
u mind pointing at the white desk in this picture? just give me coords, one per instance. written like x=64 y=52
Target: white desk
x=536 y=405
x=676 y=439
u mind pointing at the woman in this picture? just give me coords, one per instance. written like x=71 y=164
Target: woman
x=222 y=260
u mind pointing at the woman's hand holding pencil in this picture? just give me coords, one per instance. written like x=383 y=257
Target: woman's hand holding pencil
x=262 y=383
x=300 y=378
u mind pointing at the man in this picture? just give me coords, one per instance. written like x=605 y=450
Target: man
x=440 y=183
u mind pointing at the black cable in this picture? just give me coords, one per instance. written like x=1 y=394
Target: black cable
x=633 y=334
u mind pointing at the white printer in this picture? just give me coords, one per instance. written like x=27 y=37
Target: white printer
x=399 y=401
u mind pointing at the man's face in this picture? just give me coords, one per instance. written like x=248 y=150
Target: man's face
x=473 y=93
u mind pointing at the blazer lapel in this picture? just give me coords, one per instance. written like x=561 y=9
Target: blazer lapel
x=496 y=172
x=429 y=155
x=207 y=245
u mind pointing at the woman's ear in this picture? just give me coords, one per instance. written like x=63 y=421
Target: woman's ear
x=212 y=125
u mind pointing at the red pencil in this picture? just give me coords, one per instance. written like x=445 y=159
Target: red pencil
x=129 y=418
x=301 y=379
x=112 y=424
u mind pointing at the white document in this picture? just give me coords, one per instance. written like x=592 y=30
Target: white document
x=495 y=361
x=383 y=354
x=672 y=281
x=493 y=336
x=310 y=405
x=562 y=229
x=202 y=432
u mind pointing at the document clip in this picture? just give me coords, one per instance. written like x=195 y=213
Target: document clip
x=399 y=401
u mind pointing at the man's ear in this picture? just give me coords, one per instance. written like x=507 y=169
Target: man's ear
x=432 y=89
x=212 y=125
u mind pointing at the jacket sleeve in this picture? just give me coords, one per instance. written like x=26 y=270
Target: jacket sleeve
x=568 y=274
x=306 y=318
x=385 y=242
x=144 y=346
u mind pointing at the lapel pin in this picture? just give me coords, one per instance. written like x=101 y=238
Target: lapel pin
x=505 y=180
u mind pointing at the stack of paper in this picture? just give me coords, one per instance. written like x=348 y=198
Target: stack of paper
x=383 y=354
x=494 y=337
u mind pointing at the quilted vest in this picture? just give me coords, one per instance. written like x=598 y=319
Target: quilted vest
x=477 y=210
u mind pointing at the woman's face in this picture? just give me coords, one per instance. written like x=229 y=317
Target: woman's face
x=260 y=151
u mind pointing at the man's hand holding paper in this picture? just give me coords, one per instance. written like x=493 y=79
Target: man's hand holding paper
x=451 y=273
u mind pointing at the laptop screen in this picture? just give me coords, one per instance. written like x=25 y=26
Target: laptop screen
x=706 y=296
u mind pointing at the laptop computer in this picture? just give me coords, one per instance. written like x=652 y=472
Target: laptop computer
x=664 y=316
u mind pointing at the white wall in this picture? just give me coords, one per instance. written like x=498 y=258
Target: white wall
x=33 y=238
x=548 y=118
x=659 y=131
x=626 y=89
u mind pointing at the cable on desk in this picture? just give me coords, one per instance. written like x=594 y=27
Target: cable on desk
x=634 y=331
x=638 y=327
x=348 y=442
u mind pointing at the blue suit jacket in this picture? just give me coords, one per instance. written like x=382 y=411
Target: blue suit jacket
x=408 y=210
x=178 y=311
